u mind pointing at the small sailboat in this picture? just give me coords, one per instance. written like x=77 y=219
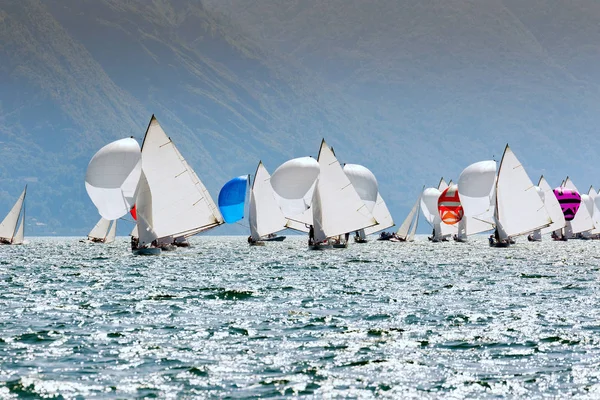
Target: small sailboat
x=265 y=216
x=406 y=232
x=382 y=214
x=12 y=228
x=552 y=205
x=182 y=207
x=429 y=207
x=145 y=244
x=366 y=186
x=476 y=185
x=104 y=231
x=581 y=225
x=337 y=209
x=519 y=209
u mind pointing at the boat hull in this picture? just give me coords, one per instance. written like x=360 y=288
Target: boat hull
x=274 y=239
x=258 y=243
x=146 y=251
x=320 y=246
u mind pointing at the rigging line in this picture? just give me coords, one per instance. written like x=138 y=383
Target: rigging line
x=240 y=224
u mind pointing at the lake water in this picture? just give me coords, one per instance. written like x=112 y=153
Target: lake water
x=222 y=319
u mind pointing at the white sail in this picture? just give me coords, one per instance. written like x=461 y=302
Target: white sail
x=476 y=184
x=112 y=176
x=293 y=183
x=134 y=231
x=364 y=183
x=145 y=217
x=409 y=222
x=299 y=226
x=519 y=209
x=181 y=204
x=382 y=214
x=475 y=225
x=413 y=229
x=596 y=215
x=429 y=199
x=20 y=234
x=589 y=204
x=337 y=207
x=265 y=215
x=8 y=227
x=100 y=230
x=112 y=233
x=552 y=206
x=442 y=185
x=429 y=208
x=583 y=220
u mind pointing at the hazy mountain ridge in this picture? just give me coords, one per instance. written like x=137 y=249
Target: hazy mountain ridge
x=469 y=75
x=211 y=90
x=411 y=90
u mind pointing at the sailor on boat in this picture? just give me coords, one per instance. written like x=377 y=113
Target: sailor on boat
x=311 y=236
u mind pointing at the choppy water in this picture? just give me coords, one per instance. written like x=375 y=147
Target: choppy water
x=221 y=319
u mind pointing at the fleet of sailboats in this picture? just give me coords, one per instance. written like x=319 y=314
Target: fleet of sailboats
x=169 y=202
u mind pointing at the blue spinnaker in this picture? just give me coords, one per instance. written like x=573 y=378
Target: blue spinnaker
x=232 y=198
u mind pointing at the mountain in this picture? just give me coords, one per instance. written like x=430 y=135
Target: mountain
x=84 y=73
x=453 y=80
x=414 y=91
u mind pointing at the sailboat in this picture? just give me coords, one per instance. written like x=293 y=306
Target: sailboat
x=406 y=232
x=366 y=186
x=145 y=244
x=429 y=208
x=337 y=209
x=382 y=214
x=265 y=216
x=104 y=231
x=10 y=233
x=476 y=185
x=582 y=224
x=595 y=196
x=552 y=205
x=181 y=205
x=519 y=209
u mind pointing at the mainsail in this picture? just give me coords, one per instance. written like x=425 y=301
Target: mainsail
x=145 y=213
x=583 y=220
x=409 y=227
x=100 y=230
x=336 y=206
x=382 y=214
x=552 y=206
x=519 y=208
x=181 y=204
x=265 y=215
x=9 y=232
